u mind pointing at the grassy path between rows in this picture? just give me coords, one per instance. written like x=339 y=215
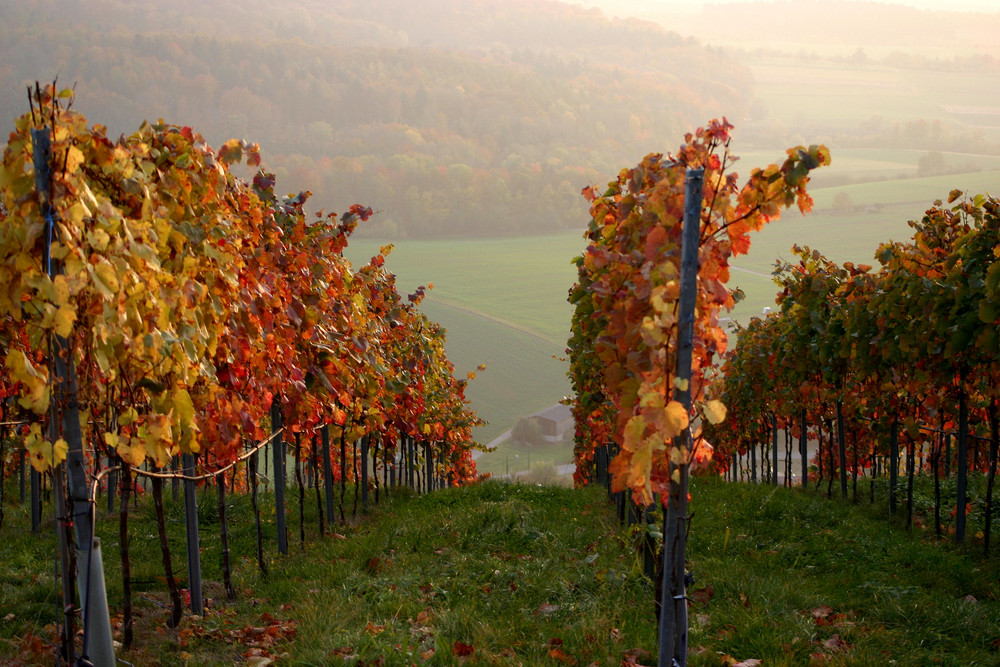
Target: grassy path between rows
x=499 y=574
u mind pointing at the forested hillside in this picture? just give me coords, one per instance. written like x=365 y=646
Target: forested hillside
x=477 y=117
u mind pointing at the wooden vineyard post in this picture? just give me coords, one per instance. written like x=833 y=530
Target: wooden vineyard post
x=842 y=449
x=804 y=450
x=97 y=644
x=327 y=471
x=962 y=473
x=991 y=473
x=191 y=527
x=278 y=449
x=252 y=479
x=175 y=481
x=774 y=447
x=364 y=471
x=227 y=573
x=36 y=500
x=673 y=629
x=648 y=546
x=893 y=465
x=20 y=465
x=429 y=467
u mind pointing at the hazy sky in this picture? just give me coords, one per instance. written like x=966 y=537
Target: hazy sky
x=643 y=8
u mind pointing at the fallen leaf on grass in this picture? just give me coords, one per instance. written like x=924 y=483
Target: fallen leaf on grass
x=835 y=643
x=462 y=650
x=547 y=609
x=634 y=655
x=703 y=595
x=561 y=656
x=821 y=612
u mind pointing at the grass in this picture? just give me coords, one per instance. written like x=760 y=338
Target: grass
x=524 y=574
x=515 y=573
x=794 y=575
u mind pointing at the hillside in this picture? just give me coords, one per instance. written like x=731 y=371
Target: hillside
x=449 y=118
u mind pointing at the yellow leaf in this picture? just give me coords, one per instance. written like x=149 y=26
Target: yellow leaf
x=59 y=450
x=39 y=450
x=678 y=455
x=652 y=334
x=99 y=239
x=74 y=158
x=34 y=382
x=111 y=439
x=640 y=466
x=127 y=417
x=715 y=412
x=184 y=408
x=61 y=290
x=133 y=452
x=76 y=213
x=65 y=317
x=634 y=430
x=657 y=301
x=650 y=398
x=41 y=455
x=160 y=428
x=105 y=280
x=676 y=417
x=682 y=384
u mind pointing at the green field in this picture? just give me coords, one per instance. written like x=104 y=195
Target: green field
x=503 y=304
x=503 y=301
x=837 y=95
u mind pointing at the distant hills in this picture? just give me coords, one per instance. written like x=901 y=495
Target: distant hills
x=472 y=117
x=451 y=117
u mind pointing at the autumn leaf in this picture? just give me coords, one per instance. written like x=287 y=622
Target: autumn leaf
x=714 y=411
x=64 y=319
x=675 y=417
x=462 y=650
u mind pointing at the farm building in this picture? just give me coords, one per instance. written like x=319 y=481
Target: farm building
x=554 y=421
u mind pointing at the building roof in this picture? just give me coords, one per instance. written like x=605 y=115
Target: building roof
x=556 y=413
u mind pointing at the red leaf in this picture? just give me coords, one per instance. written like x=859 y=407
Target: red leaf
x=703 y=595
x=462 y=650
x=835 y=643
